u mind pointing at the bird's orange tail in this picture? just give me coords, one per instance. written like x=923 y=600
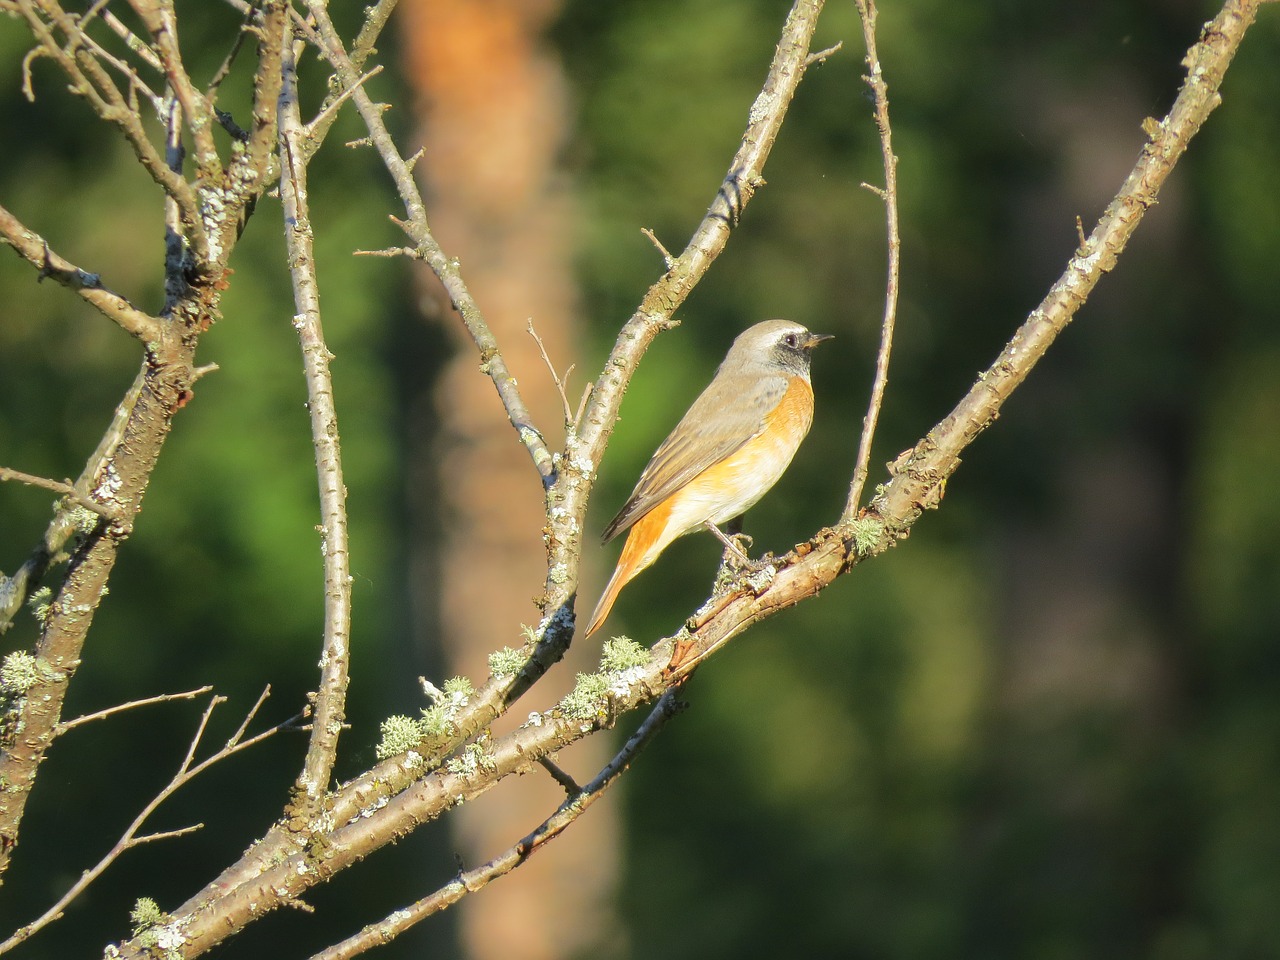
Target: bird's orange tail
x=637 y=553
x=619 y=580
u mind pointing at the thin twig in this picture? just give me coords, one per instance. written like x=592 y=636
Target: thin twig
x=822 y=55
x=224 y=69
x=132 y=40
x=63 y=487
x=375 y=21
x=875 y=79
x=325 y=117
x=236 y=737
x=125 y=69
x=471 y=881
x=66 y=725
x=555 y=377
x=667 y=258
x=330 y=700
x=90 y=80
x=130 y=838
x=560 y=775
x=387 y=252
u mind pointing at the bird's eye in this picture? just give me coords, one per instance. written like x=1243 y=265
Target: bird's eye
x=790 y=340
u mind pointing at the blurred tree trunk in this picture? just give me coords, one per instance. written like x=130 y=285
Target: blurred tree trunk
x=492 y=107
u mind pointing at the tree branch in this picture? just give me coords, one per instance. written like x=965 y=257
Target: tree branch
x=131 y=838
x=36 y=251
x=161 y=21
x=472 y=881
x=67 y=725
x=404 y=792
x=57 y=486
x=91 y=81
x=322 y=751
x=868 y=14
x=746 y=174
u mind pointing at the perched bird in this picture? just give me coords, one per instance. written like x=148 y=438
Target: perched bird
x=723 y=456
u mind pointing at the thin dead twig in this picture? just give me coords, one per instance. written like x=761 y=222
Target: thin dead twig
x=667 y=258
x=324 y=119
x=569 y=422
x=560 y=776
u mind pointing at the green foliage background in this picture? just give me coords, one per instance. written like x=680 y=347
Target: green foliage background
x=1047 y=726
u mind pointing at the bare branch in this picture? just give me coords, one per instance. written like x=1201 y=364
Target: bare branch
x=163 y=24
x=375 y=21
x=396 y=797
x=66 y=725
x=36 y=251
x=62 y=487
x=267 y=81
x=131 y=838
x=313 y=781
x=90 y=80
x=553 y=633
x=867 y=13
x=325 y=117
x=668 y=260
x=919 y=475
x=124 y=68
x=236 y=737
x=822 y=55
x=132 y=40
x=559 y=775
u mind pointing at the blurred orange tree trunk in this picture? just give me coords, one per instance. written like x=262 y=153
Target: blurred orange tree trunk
x=493 y=110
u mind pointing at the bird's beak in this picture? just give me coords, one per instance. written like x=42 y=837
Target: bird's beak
x=816 y=338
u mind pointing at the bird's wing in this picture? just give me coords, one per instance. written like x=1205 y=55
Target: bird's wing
x=725 y=416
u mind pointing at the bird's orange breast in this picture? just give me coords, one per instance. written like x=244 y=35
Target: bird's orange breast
x=732 y=486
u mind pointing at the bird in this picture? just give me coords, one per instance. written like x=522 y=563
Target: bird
x=729 y=449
